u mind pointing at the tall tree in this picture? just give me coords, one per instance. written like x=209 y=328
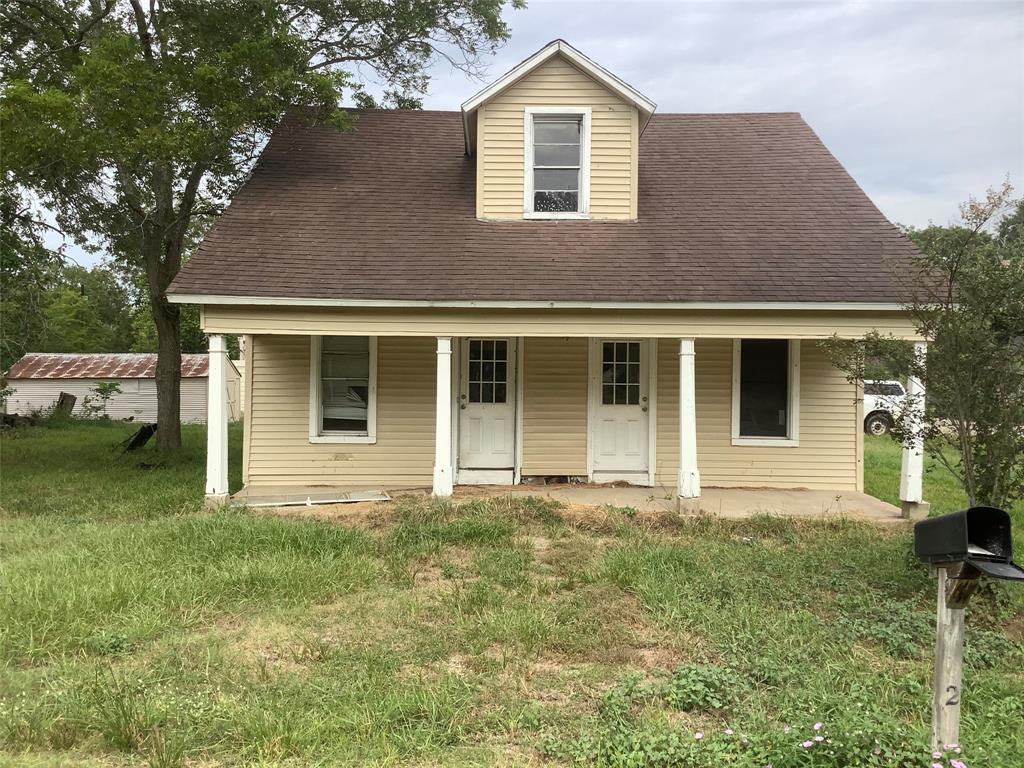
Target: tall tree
x=969 y=305
x=27 y=268
x=132 y=119
x=86 y=310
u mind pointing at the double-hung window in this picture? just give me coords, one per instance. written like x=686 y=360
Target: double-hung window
x=343 y=389
x=766 y=392
x=557 y=159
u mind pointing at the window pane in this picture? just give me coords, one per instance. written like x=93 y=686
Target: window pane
x=474 y=392
x=474 y=348
x=634 y=373
x=764 y=388
x=487 y=349
x=633 y=394
x=556 y=154
x=872 y=389
x=344 y=383
x=607 y=395
x=548 y=131
x=608 y=352
x=347 y=344
x=557 y=180
x=500 y=393
x=487 y=393
x=474 y=370
x=555 y=202
x=501 y=350
x=501 y=371
x=339 y=365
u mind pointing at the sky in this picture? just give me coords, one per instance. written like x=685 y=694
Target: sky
x=922 y=102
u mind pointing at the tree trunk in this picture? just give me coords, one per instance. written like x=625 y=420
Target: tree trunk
x=168 y=373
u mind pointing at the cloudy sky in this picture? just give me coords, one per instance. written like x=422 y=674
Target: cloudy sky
x=923 y=102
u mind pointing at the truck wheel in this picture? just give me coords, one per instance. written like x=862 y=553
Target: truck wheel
x=878 y=424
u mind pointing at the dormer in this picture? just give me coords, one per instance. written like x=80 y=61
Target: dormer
x=557 y=137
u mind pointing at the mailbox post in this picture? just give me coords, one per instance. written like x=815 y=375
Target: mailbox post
x=960 y=548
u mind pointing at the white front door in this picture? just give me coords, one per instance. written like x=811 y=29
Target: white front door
x=620 y=406
x=487 y=410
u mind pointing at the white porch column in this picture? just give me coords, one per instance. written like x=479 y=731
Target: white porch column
x=912 y=471
x=688 y=485
x=443 y=481
x=217 y=423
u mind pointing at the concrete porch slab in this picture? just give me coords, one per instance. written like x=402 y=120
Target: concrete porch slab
x=725 y=502
x=295 y=496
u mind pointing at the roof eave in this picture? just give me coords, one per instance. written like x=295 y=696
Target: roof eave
x=617 y=85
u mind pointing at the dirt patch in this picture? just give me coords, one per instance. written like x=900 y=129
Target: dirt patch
x=272 y=648
x=1015 y=629
x=370 y=515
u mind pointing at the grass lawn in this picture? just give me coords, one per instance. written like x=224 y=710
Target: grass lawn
x=137 y=629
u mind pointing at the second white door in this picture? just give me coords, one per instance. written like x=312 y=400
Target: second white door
x=620 y=403
x=487 y=404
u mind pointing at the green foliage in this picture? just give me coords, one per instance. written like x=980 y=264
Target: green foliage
x=902 y=627
x=968 y=303
x=133 y=123
x=702 y=687
x=26 y=270
x=137 y=628
x=95 y=404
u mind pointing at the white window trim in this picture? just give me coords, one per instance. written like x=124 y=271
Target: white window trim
x=792 y=439
x=582 y=112
x=315 y=434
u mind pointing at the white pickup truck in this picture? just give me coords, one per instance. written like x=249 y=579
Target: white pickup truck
x=883 y=400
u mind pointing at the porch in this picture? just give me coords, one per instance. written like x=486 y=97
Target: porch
x=665 y=415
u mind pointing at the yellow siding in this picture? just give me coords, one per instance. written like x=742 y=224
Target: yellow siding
x=555 y=407
x=500 y=142
x=826 y=458
x=279 y=451
x=625 y=323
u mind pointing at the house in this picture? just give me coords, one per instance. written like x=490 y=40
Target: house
x=553 y=281
x=38 y=378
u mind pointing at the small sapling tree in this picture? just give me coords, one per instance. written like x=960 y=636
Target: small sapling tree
x=967 y=301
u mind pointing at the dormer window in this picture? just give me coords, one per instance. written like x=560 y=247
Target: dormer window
x=557 y=163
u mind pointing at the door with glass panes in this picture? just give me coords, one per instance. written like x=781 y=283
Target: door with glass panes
x=619 y=424
x=487 y=409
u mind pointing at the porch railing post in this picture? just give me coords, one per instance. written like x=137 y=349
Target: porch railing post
x=443 y=481
x=912 y=468
x=688 y=486
x=217 y=423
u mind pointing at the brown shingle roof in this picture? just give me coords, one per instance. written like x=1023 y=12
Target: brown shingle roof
x=59 y=365
x=732 y=207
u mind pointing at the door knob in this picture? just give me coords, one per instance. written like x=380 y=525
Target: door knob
x=644 y=409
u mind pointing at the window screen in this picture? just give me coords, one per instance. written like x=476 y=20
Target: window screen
x=344 y=384
x=556 y=164
x=764 y=388
x=488 y=371
x=620 y=373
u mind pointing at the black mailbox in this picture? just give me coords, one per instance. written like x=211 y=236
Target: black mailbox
x=979 y=536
